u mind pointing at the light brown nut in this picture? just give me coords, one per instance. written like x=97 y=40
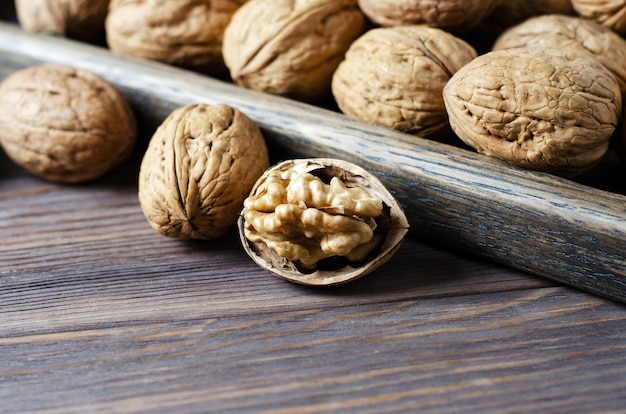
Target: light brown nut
x=78 y=19
x=609 y=13
x=199 y=166
x=572 y=33
x=455 y=16
x=320 y=221
x=543 y=109
x=290 y=48
x=64 y=124
x=395 y=77
x=183 y=33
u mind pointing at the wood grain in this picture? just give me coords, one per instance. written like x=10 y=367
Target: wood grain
x=542 y=224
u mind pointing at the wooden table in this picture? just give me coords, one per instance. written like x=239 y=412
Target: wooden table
x=99 y=313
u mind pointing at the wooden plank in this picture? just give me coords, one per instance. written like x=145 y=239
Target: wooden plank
x=512 y=352
x=535 y=222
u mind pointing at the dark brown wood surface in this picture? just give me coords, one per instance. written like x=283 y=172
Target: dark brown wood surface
x=99 y=313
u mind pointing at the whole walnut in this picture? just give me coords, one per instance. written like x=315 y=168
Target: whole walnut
x=539 y=108
x=199 y=166
x=395 y=76
x=290 y=48
x=456 y=16
x=609 y=13
x=183 y=33
x=573 y=33
x=64 y=124
x=78 y=19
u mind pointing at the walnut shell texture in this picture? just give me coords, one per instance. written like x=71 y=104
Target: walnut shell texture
x=391 y=225
x=290 y=48
x=570 y=32
x=395 y=76
x=199 y=166
x=455 y=16
x=183 y=33
x=78 y=19
x=609 y=13
x=64 y=124
x=544 y=109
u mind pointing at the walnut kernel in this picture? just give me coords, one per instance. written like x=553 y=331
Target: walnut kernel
x=544 y=109
x=199 y=166
x=320 y=222
x=64 y=124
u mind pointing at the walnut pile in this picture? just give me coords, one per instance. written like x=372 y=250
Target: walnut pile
x=64 y=124
x=290 y=48
x=78 y=19
x=573 y=33
x=395 y=77
x=539 y=108
x=609 y=13
x=199 y=166
x=183 y=33
x=455 y=16
x=320 y=222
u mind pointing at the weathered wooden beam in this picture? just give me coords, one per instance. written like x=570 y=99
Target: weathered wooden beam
x=548 y=226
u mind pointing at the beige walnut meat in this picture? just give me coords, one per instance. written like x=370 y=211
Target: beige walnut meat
x=290 y=48
x=199 y=166
x=64 y=124
x=539 y=108
x=79 y=19
x=184 y=33
x=395 y=77
x=320 y=222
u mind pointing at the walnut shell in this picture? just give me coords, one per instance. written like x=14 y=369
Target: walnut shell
x=395 y=77
x=544 y=109
x=183 y=33
x=455 y=16
x=609 y=13
x=290 y=48
x=199 y=166
x=573 y=33
x=78 y=19
x=64 y=124
x=391 y=226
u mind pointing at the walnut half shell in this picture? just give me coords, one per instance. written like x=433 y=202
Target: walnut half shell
x=320 y=221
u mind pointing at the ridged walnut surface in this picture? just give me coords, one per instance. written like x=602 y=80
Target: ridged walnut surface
x=395 y=77
x=609 y=13
x=291 y=48
x=184 y=33
x=199 y=166
x=544 y=109
x=64 y=124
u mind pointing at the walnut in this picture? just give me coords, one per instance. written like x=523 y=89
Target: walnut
x=544 y=109
x=78 y=19
x=290 y=48
x=609 y=13
x=320 y=221
x=395 y=77
x=183 y=33
x=570 y=32
x=199 y=166
x=64 y=124
x=455 y=16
